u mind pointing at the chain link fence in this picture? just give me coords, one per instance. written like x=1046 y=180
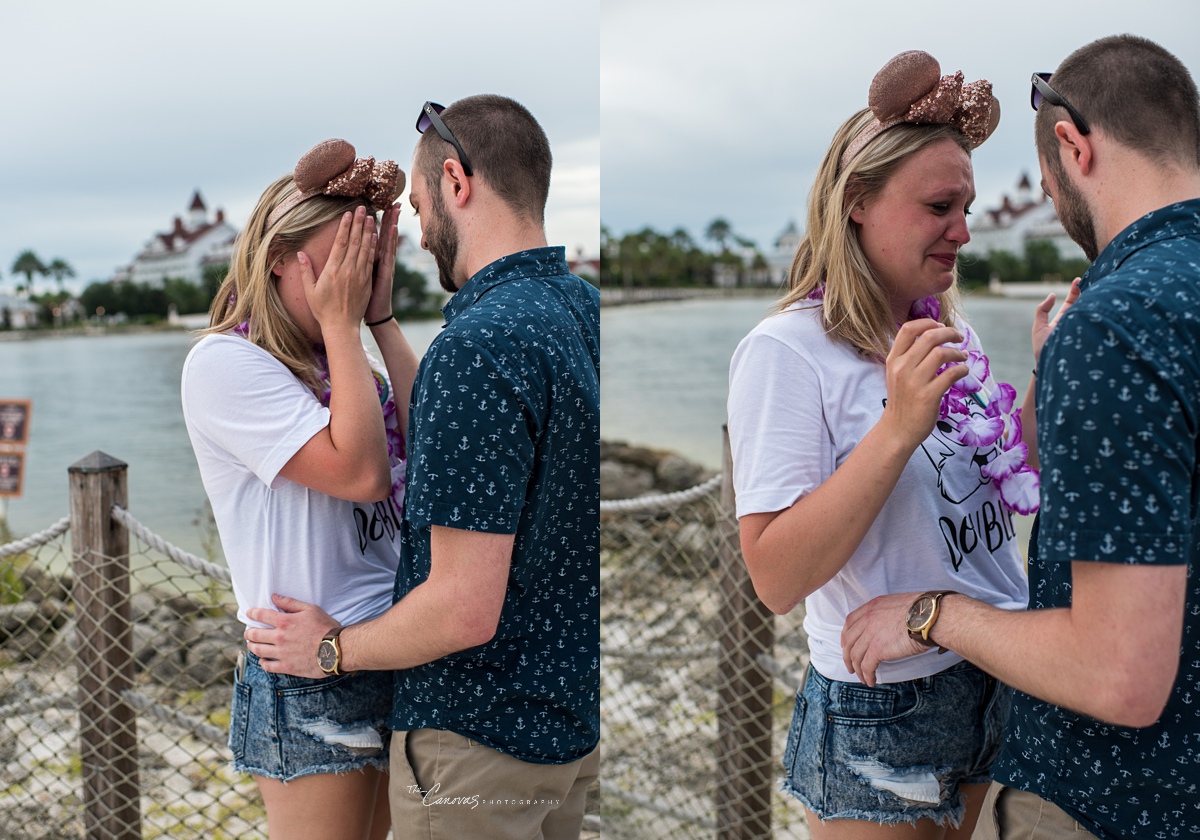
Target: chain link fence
x=117 y=652
x=115 y=685
x=698 y=679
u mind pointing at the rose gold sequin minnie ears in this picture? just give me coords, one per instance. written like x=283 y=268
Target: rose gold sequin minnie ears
x=330 y=168
x=911 y=89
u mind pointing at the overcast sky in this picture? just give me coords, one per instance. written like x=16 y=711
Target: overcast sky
x=726 y=108
x=115 y=112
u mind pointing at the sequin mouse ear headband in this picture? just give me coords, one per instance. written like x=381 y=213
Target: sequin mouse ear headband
x=330 y=168
x=911 y=89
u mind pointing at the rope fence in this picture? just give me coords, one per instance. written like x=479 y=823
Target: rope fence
x=698 y=678
x=117 y=652
x=116 y=655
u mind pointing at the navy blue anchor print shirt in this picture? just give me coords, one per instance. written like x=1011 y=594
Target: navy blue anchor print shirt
x=1118 y=410
x=504 y=438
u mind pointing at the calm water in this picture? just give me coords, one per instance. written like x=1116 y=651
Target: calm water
x=118 y=394
x=665 y=366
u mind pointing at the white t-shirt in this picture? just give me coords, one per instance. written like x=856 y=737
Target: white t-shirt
x=799 y=403
x=247 y=415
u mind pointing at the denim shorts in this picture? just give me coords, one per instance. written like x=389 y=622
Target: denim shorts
x=895 y=753
x=284 y=727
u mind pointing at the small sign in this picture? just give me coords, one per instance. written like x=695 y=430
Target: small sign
x=14 y=421
x=12 y=472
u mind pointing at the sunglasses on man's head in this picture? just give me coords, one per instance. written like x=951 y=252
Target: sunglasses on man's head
x=1043 y=92
x=431 y=116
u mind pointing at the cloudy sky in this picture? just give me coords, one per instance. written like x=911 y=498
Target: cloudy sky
x=726 y=108
x=115 y=112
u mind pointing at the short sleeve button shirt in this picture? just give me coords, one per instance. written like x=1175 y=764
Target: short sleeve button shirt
x=1118 y=408
x=504 y=437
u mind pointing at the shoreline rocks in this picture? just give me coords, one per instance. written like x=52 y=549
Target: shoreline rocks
x=628 y=471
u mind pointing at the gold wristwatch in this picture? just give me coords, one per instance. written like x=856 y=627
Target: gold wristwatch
x=923 y=614
x=329 y=653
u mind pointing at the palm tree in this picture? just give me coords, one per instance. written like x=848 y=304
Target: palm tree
x=718 y=231
x=60 y=269
x=27 y=263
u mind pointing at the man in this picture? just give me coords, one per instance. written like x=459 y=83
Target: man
x=1105 y=728
x=495 y=631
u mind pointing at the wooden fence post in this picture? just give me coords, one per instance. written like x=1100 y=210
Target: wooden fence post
x=745 y=693
x=107 y=724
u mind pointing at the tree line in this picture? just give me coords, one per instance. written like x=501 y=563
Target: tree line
x=29 y=263
x=648 y=258
x=151 y=302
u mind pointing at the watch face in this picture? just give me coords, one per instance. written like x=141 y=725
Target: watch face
x=920 y=613
x=327 y=655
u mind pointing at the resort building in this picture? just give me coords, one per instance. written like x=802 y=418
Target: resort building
x=193 y=242
x=1019 y=219
x=17 y=313
x=780 y=257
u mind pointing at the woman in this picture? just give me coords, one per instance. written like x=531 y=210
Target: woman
x=874 y=454
x=297 y=434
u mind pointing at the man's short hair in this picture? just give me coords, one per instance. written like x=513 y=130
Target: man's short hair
x=1138 y=93
x=506 y=147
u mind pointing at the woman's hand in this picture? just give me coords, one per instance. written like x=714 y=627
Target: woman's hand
x=876 y=632
x=339 y=296
x=1043 y=325
x=380 y=305
x=914 y=386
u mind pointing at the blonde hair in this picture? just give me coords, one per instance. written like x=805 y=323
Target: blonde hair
x=248 y=294
x=856 y=307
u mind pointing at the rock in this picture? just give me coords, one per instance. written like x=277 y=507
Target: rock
x=630 y=471
x=176 y=609
x=624 y=481
x=41 y=584
x=142 y=605
x=16 y=618
x=64 y=643
x=638 y=456
x=674 y=473
x=210 y=661
x=696 y=539
x=55 y=612
x=226 y=627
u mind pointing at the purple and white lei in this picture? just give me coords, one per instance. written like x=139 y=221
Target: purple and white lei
x=1000 y=424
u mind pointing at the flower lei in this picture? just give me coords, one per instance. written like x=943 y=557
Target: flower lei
x=1000 y=423
x=387 y=401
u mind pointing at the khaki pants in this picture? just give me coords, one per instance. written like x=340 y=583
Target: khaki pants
x=447 y=787
x=1011 y=814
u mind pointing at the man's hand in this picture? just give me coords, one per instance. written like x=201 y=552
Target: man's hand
x=289 y=644
x=876 y=632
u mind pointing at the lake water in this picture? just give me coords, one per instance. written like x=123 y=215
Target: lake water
x=663 y=384
x=118 y=394
x=665 y=366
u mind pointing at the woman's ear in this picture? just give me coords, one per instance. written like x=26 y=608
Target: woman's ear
x=853 y=201
x=275 y=260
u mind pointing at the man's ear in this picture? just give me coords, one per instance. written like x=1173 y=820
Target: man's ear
x=460 y=184
x=1074 y=148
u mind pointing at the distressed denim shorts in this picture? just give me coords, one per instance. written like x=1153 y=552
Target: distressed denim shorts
x=895 y=753
x=284 y=727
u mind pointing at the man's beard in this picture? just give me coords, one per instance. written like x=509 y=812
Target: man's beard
x=441 y=239
x=1073 y=211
